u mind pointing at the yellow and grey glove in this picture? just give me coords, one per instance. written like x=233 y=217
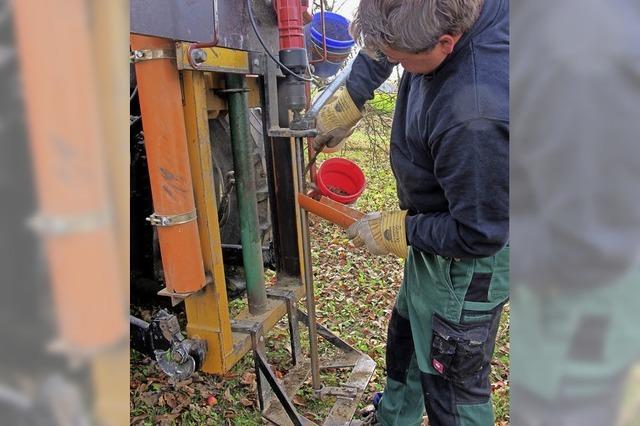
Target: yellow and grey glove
x=336 y=121
x=381 y=233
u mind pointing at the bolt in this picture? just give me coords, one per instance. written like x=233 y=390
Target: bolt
x=199 y=56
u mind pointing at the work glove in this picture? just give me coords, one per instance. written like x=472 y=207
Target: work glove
x=381 y=233
x=336 y=121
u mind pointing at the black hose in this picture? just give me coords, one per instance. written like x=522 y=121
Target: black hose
x=264 y=46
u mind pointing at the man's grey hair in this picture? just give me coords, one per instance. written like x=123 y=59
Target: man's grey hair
x=411 y=25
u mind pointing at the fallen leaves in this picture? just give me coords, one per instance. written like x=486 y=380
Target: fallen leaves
x=170 y=400
x=299 y=401
x=166 y=419
x=150 y=398
x=248 y=379
x=246 y=402
x=227 y=395
x=137 y=419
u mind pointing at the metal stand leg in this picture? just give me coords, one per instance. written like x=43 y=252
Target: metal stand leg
x=264 y=374
x=289 y=297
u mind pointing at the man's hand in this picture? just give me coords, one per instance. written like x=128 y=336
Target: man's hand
x=381 y=233
x=336 y=121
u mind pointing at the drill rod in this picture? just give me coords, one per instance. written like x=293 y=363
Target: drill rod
x=308 y=273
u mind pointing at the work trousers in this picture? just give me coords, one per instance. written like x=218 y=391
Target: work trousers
x=441 y=339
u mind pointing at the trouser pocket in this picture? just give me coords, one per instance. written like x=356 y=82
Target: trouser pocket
x=461 y=352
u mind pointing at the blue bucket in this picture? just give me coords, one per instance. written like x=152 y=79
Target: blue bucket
x=339 y=43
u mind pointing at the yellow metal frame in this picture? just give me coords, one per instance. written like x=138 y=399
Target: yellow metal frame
x=218 y=59
x=207 y=311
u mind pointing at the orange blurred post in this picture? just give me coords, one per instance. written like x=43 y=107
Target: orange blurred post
x=110 y=26
x=168 y=161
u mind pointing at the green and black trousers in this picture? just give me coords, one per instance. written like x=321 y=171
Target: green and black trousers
x=441 y=339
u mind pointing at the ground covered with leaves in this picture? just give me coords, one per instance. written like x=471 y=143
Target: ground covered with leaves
x=355 y=294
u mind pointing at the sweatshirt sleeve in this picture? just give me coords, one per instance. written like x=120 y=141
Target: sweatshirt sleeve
x=471 y=162
x=367 y=74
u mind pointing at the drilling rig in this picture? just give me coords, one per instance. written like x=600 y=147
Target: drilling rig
x=220 y=118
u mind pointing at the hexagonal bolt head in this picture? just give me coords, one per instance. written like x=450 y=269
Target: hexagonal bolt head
x=199 y=56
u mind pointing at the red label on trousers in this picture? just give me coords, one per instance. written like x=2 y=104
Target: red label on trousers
x=438 y=366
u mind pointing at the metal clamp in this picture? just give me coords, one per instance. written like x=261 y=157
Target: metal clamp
x=149 y=54
x=281 y=132
x=70 y=224
x=171 y=220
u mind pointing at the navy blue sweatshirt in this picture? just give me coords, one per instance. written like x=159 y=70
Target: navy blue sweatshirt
x=450 y=140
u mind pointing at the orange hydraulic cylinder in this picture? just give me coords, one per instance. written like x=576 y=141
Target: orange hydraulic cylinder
x=168 y=161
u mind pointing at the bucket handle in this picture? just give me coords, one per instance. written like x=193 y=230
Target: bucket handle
x=323 y=56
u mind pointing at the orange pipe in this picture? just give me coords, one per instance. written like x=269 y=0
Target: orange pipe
x=330 y=210
x=70 y=175
x=168 y=162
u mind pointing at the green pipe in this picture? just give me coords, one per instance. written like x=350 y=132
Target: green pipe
x=246 y=192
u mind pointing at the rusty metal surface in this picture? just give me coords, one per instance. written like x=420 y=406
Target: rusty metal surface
x=344 y=408
x=194 y=20
x=345 y=360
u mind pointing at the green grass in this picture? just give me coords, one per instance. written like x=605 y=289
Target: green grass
x=383 y=102
x=355 y=294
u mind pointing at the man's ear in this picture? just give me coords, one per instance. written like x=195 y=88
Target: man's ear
x=446 y=43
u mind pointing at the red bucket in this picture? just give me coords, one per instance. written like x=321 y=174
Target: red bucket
x=341 y=180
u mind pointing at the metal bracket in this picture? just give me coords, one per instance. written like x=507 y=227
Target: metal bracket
x=289 y=296
x=149 y=54
x=303 y=123
x=337 y=391
x=248 y=327
x=171 y=220
x=257 y=63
